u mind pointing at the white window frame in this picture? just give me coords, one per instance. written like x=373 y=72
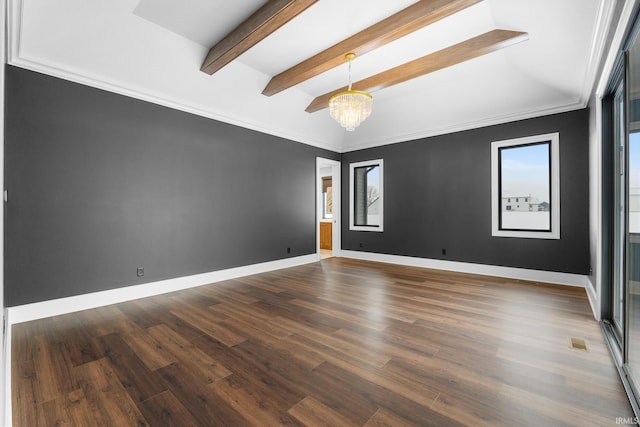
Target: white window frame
x=554 y=152
x=352 y=167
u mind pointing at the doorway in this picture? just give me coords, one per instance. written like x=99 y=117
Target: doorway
x=328 y=242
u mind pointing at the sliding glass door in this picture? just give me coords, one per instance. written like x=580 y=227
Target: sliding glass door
x=621 y=213
x=632 y=291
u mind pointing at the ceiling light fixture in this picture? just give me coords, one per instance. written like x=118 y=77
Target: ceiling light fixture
x=350 y=107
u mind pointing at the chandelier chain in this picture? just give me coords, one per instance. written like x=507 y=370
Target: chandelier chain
x=350 y=73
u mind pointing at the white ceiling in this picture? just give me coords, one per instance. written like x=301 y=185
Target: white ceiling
x=153 y=50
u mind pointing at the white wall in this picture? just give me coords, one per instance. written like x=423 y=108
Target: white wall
x=595 y=179
x=4 y=363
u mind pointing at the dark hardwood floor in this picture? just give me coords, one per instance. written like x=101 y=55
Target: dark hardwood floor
x=335 y=343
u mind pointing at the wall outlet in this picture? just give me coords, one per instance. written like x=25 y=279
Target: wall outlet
x=361 y=245
x=140 y=271
x=288 y=250
x=444 y=251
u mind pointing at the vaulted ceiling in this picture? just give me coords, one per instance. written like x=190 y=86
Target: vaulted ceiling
x=155 y=49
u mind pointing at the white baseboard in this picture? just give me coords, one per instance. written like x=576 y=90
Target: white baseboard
x=8 y=410
x=568 y=279
x=41 y=310
x=594 y=301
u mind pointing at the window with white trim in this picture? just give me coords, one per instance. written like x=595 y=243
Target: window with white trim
x=366 y=196
x=525 y=187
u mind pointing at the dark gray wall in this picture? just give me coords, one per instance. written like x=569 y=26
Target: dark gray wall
x=100 y=184
x=437 y=195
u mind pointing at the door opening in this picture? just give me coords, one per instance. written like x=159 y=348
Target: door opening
x=328 y=242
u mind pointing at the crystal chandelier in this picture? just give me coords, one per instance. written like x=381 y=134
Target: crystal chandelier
x=350 y=107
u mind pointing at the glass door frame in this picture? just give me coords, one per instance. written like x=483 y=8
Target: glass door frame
x=632 y=125
x=620 y=216
x=611 y=182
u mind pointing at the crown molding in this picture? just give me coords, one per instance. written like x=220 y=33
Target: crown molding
x=614 y=48
x=16 y=58
x=463 y=126
x=55 y=71
x=597 y=50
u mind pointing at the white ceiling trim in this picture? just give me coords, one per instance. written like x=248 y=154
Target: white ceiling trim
x=55 y=71
x=334 y=142
x=459 y=127
x=15 y=58
x=616 y=45
x=14 y=24
x=596 y=53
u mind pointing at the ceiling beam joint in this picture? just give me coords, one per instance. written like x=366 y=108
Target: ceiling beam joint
x=273 y=15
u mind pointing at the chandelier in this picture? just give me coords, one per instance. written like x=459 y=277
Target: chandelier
x=350 y=107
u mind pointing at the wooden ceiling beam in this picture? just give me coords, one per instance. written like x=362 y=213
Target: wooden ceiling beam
x=273 y=15
x=481 y=45
x=406 y=21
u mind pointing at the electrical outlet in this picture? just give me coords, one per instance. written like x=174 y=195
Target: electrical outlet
x=140 y=271
x=288 y=250
x=444 y=251
x=361 y=245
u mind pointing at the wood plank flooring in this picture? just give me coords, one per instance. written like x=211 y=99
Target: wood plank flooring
x=335 y=343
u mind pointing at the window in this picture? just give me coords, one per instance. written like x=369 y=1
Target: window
x=365 y=196
x=529 y=169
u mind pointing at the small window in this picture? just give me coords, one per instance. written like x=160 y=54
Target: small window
x=526 y=168
x=366 y=203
